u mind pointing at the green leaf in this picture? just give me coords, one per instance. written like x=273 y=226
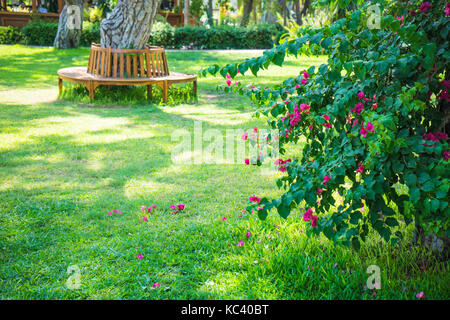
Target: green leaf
x=414 y=194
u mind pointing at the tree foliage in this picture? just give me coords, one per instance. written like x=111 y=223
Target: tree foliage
x=373 y=118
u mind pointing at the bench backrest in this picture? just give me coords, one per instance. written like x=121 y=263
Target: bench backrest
x=150 y=62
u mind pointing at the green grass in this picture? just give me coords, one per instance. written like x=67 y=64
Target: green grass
x=65 y=163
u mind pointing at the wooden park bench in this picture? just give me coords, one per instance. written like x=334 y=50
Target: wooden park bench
x=123 y=67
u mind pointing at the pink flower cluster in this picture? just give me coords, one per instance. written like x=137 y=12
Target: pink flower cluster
x=424 y=7
x=368 y=128
x=114 y=211
x=294 y=118
x=359 y=107
x=326 y=123
x=435 y=136
x=305 y=78
x=444 y=95
x=254 y=199
x=282 y=164
x=360 y=168
x=447 y=9
x=177 y=208
x=148 y=209
x=309 y=216
x=326 y=179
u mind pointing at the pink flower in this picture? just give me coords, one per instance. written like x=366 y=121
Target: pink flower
x=173 y=206
x=109 y=213
x=360 y=168
x=243 y=211
x=369 y=126
x=326 y=179
x=420 y=295
x=314 y=221
x=305 y=75
x=297 y=86
x=327 y=125
x=252 y=87
x=155 y=285
x=181 y=206
x=363 y=132
x=260 y=208
x=304 y=81
x=400 y=18
x=228 y=76
x=358 y=108
x=228 y=82
x=254 y=199
x=444 y=95
x=117 y=211
x=326 y=117
x=447 y=9
x=140 y=256
x=360 y=94
x=224 y=218
x=247 y=161
x=240 y=243
x=255 y=130
x=144 y=219
x=374 y=106
x=154 y=206
x=319 y=191
x=248 y=234
x=244 y=136
x=308 y=215
x=310 y=127
x=425 y=6
x=446 y=155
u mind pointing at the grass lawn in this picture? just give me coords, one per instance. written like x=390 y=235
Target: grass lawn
x=65 y=163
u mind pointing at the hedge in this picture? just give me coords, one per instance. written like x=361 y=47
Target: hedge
x=261 y=36
x=10 y=35
x=40 y=33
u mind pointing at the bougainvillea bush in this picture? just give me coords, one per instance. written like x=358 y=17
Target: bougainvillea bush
x=370 y=124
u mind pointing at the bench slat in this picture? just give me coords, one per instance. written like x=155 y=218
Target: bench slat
x=128 y=66
x=115 y=64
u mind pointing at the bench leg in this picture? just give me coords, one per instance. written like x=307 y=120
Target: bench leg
x=194 y=87
x=149 y=92
x=91 y=88
x=165 y=91
x=60 y=85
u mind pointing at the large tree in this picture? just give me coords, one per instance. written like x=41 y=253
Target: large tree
x=248 y=7
x=129 y=25
x=70 y=25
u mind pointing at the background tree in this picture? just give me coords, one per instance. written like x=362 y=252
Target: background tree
x=248 y=7
x=70 y=25
x=129 y=25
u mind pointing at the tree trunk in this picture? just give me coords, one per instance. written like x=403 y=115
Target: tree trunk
x=70 y=25
x=248 y=6
x=129 y=25
x=209 y=13
x=298 y=17
x=303 y=12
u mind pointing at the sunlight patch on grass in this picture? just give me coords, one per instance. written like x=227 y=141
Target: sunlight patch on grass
x=142 y=188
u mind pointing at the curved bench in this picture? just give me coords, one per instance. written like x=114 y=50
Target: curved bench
x=123 y=67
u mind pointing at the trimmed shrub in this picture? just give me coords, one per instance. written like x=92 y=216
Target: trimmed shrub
x=40 y=33
x=163 y=34
x=10 y=35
